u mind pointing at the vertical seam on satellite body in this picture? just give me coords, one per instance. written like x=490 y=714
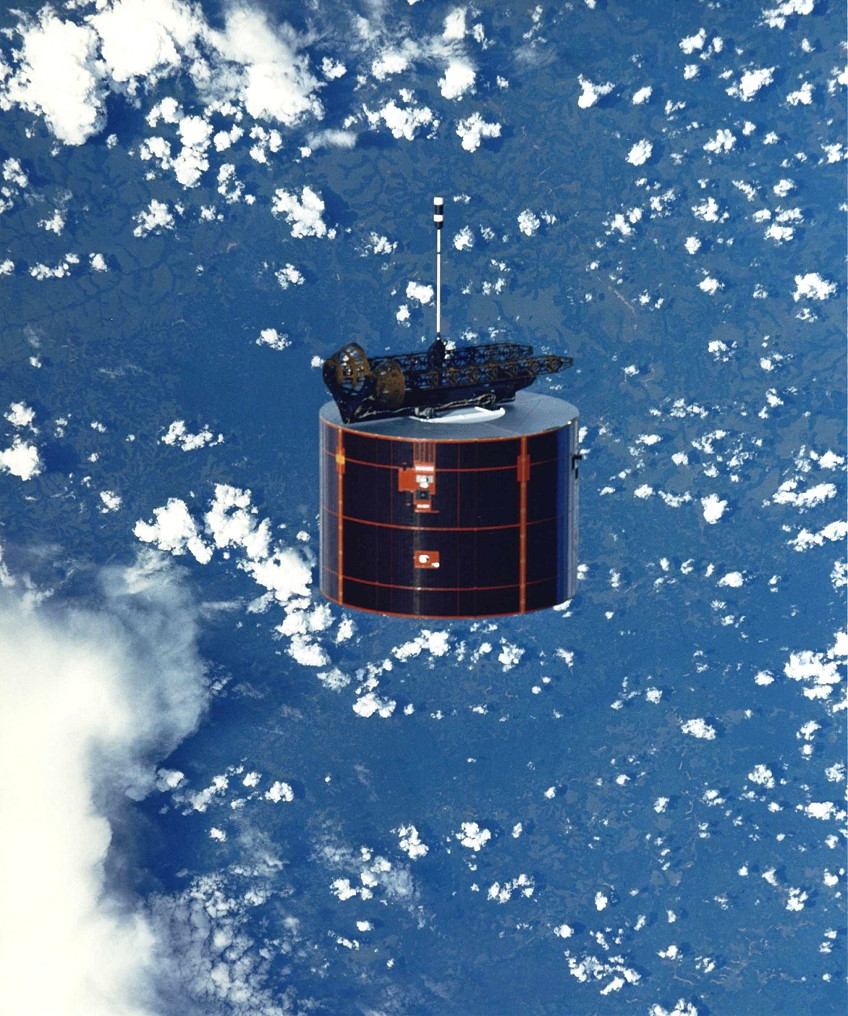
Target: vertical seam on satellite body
x=340 y=468
x=523 y=476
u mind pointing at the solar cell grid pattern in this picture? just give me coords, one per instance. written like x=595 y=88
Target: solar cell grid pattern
x=499 y=512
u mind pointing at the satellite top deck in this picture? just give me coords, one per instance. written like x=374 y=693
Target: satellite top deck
x=436 y=381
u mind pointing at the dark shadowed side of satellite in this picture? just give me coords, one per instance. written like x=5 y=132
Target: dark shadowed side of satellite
x=447 y=490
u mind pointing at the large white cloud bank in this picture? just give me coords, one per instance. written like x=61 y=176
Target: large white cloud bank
x=89 y=702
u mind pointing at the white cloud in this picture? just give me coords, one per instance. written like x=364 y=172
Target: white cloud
x=751 y=82
x=528 y=222
x=153 y=219
x=436 y=643
x=175 y=531
x=306 y=652
x=286 y=276
x=410 y=842
x=820 y=670
x=510 y=655
x=13 y=173
x=699 y=728
x=640 y=153
x=473 y=129
x=377 y=244
x=21 y=460
x=417 y=291
x=65 y=70
x=20 y=414
x=60 y=271
x=832 y=532
x=813 y=287
x=458 y=80
x=802 y=97
x=713 y=508
x=232 y=525
x=279 y=791
x=146 y=38
x=178 y=435
x=591 y=93
x=472 y=836
x=693 y=42
x=370 y=703
x=167 y=109
x=762 y=775
x=710 y=285
x=780 y=234
x=60 y=77
x=55 y=224
x=708 y=210
x=88 y=701
x=502 y=892
x=271 y=337
x=723 y=141
x=403 y=122
x=455 y=27
x=623 y=222
x=274 y=81
x=393 y=61
x=681 y=1008
x=822 y=810
x=331 y=139
x=191 y=163
x=302 y=213
x=775 y=17
x=787 y=493
x=733 y=579
x=111 y=501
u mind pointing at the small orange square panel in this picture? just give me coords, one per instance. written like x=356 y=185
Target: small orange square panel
x=425 y=558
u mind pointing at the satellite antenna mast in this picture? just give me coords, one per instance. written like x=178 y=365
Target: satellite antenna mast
x=438 y=219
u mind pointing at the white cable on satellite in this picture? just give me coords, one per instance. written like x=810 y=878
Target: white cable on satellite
x=438 y=219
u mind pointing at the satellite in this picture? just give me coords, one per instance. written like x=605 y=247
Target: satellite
x=447 y=490
x=437 y=381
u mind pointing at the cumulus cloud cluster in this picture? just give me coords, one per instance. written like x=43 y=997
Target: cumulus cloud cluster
x=67 y=68
x=473 y=129
x=178 y=435
x=303 y=213
x=447 y=49
x=230 y=524
x=404 y=122
x=21 y=459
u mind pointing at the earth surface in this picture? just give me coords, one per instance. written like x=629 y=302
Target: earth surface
x=227 y=796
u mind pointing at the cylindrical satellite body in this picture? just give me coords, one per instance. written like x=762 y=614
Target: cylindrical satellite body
x=473 y=514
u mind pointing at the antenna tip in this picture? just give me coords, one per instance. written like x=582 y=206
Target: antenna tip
x=438 y=212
